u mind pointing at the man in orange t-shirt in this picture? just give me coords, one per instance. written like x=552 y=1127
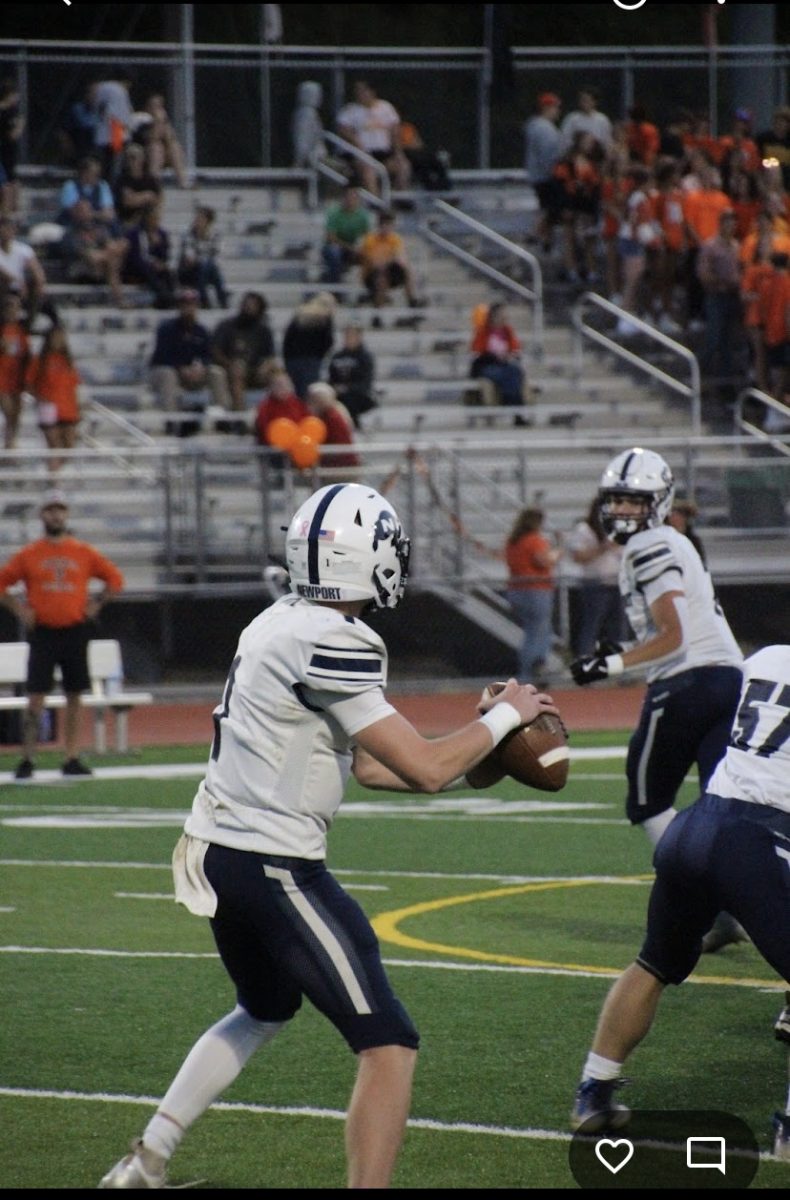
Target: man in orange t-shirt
x=57 y=609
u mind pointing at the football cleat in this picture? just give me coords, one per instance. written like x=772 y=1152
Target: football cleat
x=781 y=1124
x=724 y=931
x=594 y=1106
x=782 y=1025
x=25 y=769
x=75 y=766
x=132 y=1172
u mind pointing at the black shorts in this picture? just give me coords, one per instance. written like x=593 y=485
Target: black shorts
x=719 y=855
x=396 y=276
x=285 y=929
x=66 y=648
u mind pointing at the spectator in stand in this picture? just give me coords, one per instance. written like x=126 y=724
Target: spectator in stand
x=497 y=352
x=14 y=354
x=642 y=136
x=113 y=130
x=53 y=381
x=774 y=143
x=682 y=516
x=384 y=265
x=148 y=257
x=673 y=136
x=767 y=231
x=775 y=306
x=745 y=201
x=738 y=150
x=91 y=252
x=88 y=185
x=160 y=141
x=309 y=336
x=586 y=119
x=307 y=128
x=599 y=605
x=280 y=400
x=198 y=265
x=78 y=134
x=541 y=154
x=351 y=371
x=718 y=268
x=756 y=272
x=243 y=351
x=347 y=223
x=702 y=208
x=638 y=233
x=579 y=174
x=181 y=354
x=428 y=167
x=699 y=138
x=615 y=186
x=12 y=124
x=323 y=402
x=373 y=125
x=531 y=560
x=21 y=272
x=667 y=204
x=136 y=189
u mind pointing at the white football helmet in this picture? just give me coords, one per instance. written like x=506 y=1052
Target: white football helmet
x=346 y=543
x=644 y=475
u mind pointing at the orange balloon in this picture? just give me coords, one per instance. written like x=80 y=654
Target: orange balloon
x=315 y=428
x=282 y=432
x=304 y=451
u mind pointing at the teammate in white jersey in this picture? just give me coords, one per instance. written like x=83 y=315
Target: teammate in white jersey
x=728 y=851
x=683 y=641
x=304 y=706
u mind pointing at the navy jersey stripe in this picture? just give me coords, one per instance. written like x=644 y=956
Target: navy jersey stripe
x=328 y=678
x=648 y=555
x=363 y=665
x=315 y=529
x=353 y=650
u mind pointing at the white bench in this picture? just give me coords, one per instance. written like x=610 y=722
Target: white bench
x=105 y=666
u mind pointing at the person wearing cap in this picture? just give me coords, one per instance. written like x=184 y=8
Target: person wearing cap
x=541 y=154
x=57 y=610
x=182 y=353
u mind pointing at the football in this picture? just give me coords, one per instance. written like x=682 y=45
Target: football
x=536 y=754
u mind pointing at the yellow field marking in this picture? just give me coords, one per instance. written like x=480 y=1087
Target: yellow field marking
x=387 y=927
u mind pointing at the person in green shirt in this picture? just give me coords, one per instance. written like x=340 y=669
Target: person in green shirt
x=346 y=224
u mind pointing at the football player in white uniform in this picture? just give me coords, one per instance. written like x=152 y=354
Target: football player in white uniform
x=304 y=706
x=692 y=659
x=728 y=851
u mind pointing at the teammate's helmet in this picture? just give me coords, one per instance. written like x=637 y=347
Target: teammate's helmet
x=644 y=475
x=346 y=543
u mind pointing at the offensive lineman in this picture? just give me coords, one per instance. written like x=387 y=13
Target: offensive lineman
x=303 y=706
x=730 y=851
x=682 y=637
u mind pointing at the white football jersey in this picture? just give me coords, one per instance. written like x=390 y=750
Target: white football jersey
x=756 y=766
x=305 y=679
x=662 y=560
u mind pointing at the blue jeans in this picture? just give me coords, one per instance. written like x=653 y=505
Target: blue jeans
x=509 y=379
x=533 y=607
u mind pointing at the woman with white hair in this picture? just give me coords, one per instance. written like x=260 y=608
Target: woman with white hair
x=309 y=337
x=323 y=402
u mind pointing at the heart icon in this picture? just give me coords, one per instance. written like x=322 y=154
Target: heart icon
x=625 y=1155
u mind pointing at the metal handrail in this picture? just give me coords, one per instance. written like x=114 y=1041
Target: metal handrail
x=534 y=294
x=692 y=390
x=383 y=201
x=779 y=441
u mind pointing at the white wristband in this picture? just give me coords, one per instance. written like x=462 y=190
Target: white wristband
x=500 y=719
x=614 y=664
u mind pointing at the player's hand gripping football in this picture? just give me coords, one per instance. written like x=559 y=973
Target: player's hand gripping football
x=525 y=698
x=592 y=667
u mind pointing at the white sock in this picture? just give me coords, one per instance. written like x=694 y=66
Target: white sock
x=654 y=826
x=212 y=1064
x=598 y=1067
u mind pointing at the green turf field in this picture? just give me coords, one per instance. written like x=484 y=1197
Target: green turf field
x=503 y=918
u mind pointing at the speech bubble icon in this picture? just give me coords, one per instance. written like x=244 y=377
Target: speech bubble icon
x=606 y=1151
x=713 y=1151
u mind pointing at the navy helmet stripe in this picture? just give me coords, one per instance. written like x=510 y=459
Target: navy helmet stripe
x=315 y=529
x=626 y=465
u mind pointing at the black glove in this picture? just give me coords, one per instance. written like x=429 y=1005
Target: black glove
x=589 y=668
